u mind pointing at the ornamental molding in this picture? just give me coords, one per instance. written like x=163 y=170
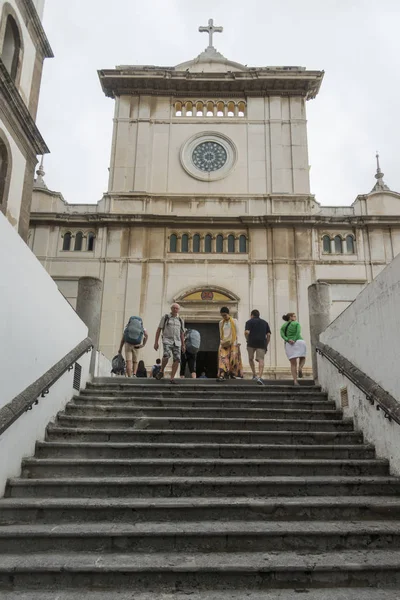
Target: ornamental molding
x=34 y=26
x=191 y=163
x=18 y=115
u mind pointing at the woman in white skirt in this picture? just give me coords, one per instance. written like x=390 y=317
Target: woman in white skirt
x=295 y=346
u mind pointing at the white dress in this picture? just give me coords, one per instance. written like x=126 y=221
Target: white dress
x=296 y=350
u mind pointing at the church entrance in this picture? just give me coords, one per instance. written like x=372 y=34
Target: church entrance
x=207 y=357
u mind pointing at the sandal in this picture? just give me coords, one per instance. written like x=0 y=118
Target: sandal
x=172 y=381
x=300 y=373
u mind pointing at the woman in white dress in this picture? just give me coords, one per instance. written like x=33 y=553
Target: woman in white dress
x=295 y=346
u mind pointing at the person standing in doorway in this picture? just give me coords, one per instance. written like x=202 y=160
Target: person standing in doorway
x=133 y=339
x=295 y=346
x=229 y=359
x=172 y=329
x=258 y=335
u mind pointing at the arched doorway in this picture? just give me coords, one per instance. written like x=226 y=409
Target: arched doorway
x=200 y=309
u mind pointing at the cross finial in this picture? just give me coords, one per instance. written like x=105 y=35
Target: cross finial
x=39 y=181
x=210 y=29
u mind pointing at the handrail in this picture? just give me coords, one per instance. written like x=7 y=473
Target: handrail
x=40 y=388
x=372 y=390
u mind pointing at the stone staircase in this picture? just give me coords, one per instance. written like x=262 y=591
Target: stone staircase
x=203 y=490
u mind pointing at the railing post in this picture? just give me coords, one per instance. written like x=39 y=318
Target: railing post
x=319 y=304
x=88 y=308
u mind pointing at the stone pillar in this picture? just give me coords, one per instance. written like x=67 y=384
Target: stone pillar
x=88 y=308
x=319 y=303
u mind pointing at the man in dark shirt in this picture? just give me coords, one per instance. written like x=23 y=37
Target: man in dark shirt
x=257 y=334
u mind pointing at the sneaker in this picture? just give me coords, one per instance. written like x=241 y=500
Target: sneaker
x=260 y=381
x=254 y=378
x=160 y=375
x=133 y=376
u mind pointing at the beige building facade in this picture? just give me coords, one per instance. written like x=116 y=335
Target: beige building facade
x=209 y=204
x=23 y=48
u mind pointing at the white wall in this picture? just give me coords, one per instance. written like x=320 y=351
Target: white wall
x=38 y=327
x=18 y=166
x=366 y=333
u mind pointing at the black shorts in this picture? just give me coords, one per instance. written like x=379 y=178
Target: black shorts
x=190 y=359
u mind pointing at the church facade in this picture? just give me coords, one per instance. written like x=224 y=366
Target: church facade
x=209 y=204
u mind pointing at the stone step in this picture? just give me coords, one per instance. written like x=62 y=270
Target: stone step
x=205 y=450
x=116 y=510
x=118 y=410
x=253 y=487
x=199 y=384
x=201 y=467
x=109 y=434
x=210 y=424
x=200 y=537
x=275 y=594
x=186 y=572
x=255 y=392
x=293 y=402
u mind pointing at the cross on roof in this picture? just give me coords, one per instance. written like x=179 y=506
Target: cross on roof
x=211 y=30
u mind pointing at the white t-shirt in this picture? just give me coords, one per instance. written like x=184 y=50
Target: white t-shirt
x=227 y=329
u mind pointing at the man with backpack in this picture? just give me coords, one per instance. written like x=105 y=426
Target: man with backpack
x=172 y=328
x=192 y=342
x=134 y=337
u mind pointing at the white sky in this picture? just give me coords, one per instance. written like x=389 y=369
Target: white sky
x=356 y=42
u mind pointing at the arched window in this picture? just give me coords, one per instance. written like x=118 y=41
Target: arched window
x=185 y=243
x=78 y=241
x=338 y=244
x=189 y=109
x=199 y=109
x=173 y=243
x=4 y=172
x=231 y=243
x=178 y=109
x=241 y=107
x=67 y=241
x=90 y=241
x=350 y=244
x=326 y=244
x=207 y=243
x=243 y=244
x=220 y=243
x=220 y=109
x=196 y=243
x=11 y=47
x=231 y=109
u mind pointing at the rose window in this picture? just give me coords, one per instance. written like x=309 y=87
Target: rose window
x=209 y=156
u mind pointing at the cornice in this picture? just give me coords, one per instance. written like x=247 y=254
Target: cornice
x=167 y=82
x=33 y=22
x=18 y=114
x=265 y=221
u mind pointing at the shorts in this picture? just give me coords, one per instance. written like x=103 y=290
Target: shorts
x=172 y=348
x=190 y=359
x=131 y=353
x=259 y=352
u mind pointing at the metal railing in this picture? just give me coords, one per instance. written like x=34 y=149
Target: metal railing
x=374 y=393
x=31 y=396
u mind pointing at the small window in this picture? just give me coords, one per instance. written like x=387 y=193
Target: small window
x=178 y=109
x=220 y=243
x=78 y=241
x=196 y=243
x=67 y=241
x=189 y=109
x=338 y=244
x=326 y=244
x=231 y=109
x=11 y=47
x=185 y=243
x=210 y=109
x=207 y=243
x=231 y=243
x=90 y=243
x=241 y=107
x=173 y=243
x=243 y=244
x=350 y=244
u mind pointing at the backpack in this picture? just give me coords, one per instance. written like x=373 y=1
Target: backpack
x=156 y=370
x=134 y=331
x=193 y=341
x=166 y=320
x=118 y=365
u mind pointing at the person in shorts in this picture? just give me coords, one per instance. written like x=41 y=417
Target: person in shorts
x=258 y=335
x=132 y=354
x=172 y=329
